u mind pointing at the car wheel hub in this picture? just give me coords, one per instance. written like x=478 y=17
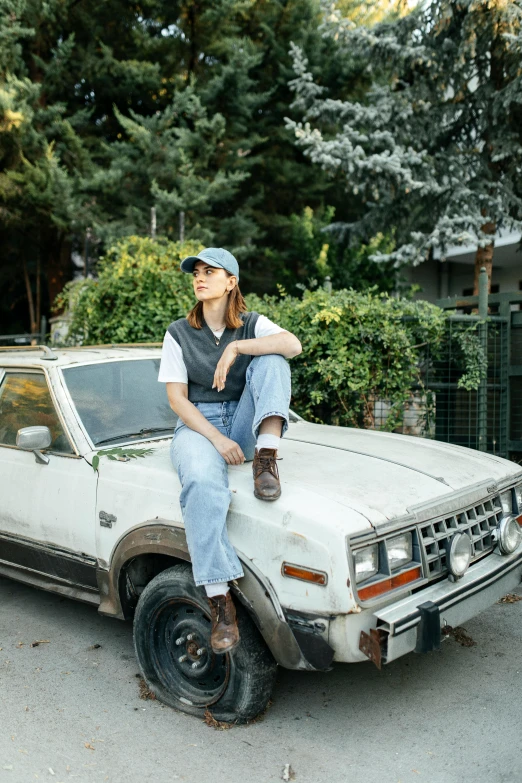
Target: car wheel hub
x=180 y=642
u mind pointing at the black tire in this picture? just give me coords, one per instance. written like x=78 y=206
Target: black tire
x=234 y=687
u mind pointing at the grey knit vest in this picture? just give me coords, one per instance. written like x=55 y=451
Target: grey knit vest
x=201 y=355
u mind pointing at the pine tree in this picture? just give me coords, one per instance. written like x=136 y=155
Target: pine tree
x=434 y=150
x=109 y=109
x=187 y=155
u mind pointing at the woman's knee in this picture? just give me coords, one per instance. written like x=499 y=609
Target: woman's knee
x=270 y=362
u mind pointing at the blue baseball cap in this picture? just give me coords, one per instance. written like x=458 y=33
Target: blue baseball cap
x=213 y=256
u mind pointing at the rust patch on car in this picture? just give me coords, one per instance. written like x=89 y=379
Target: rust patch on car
x=372 y=645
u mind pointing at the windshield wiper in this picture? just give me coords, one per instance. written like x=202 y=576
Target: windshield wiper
x=144 y=431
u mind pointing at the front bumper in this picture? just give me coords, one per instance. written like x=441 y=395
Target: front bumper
x=415 y=622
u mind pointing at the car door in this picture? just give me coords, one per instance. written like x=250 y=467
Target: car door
x=46 y=510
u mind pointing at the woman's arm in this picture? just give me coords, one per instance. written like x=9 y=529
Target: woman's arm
x=284 y=343
x=189 y=414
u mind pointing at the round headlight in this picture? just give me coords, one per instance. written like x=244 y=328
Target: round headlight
x=509 y=535
x=459 y=554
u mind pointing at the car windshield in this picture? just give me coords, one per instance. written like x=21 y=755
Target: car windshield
x=120 y=401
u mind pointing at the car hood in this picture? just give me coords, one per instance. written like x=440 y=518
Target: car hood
x=385 y=475
x=381 y=476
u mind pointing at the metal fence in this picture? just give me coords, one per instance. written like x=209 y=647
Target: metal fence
x=474 y=418
x=440 y=407
x=27 y=338
x=502 y=405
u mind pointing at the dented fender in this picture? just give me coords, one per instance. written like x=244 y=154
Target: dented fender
x=254 y=591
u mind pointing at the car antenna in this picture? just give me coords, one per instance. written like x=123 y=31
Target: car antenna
x=50 y=355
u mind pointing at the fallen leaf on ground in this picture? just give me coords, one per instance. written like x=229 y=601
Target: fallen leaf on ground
x=40 y=641
x=510 y=598
x=94 y=647
x=288 y=773
x=220 y=725
x=89 y=746
x=460 y=635
x=145 y=692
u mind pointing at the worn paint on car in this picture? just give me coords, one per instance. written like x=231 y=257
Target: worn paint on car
x=340 y=487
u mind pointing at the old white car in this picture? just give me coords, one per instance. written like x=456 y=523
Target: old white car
x=377 y=542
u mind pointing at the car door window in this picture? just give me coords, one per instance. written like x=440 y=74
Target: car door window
x=25 y=401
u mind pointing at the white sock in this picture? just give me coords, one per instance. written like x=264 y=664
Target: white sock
x=217 y=588
x=267 y=442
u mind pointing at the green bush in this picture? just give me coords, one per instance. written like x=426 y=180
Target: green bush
x=357 y=347
x=138 y=293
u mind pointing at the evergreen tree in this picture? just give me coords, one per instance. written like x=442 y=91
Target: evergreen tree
x=434 y=150
x=51 y=120
x=109 y=109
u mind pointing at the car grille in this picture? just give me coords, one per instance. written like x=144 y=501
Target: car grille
x=478 y=521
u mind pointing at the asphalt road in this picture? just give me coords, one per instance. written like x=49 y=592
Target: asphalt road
x=70 y=711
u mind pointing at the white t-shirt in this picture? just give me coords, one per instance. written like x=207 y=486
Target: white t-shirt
x=173 y=368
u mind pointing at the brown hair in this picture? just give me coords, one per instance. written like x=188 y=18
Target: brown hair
x=235 y=305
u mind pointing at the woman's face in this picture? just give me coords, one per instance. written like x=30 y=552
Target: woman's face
x=211 y=282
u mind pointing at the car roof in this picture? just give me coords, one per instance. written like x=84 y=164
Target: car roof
x=45 y=356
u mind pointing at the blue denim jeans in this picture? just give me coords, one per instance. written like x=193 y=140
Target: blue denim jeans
x=203 y=473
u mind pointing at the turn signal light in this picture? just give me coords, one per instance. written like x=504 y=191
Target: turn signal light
x=305 y=574
x=519 y=520
x=378 y=588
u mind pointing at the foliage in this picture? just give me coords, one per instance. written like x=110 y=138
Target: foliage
x=119 y=453
x=139 y=291
x=476 y=359
x=316 y=251
x=357 y=347
x=110 y=108
x=433 y=149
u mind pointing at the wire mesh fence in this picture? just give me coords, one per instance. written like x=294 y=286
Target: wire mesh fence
x=441 y=407
x=515 y=387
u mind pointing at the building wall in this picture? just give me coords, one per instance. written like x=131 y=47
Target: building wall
x=454 y=277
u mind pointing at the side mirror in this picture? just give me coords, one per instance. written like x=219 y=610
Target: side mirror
x=33 y=439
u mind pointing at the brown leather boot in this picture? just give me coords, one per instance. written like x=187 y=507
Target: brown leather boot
x=225 y=633
x=266 y=475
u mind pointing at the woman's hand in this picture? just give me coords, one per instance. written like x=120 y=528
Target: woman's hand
x=229 y=450
x=223 y=366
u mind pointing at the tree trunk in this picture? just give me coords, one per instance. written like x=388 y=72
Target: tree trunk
x=38 y=314
x=484 y=257
x=58 y=265
x=30 y=299
x=193 y=49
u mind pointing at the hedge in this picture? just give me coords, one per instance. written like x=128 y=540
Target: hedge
x=357 y=347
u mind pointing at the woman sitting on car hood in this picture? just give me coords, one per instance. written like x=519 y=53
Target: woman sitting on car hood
x=229 y=384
